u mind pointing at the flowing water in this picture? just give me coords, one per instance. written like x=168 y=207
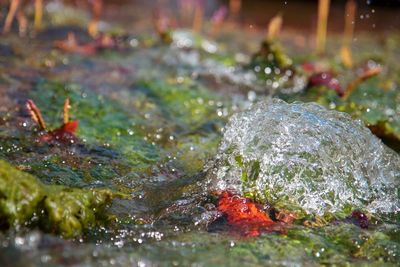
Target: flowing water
x=155 y=122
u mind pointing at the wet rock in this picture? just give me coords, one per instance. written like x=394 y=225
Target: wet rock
x=305 y=158
x=19 y=196
x=63 y=210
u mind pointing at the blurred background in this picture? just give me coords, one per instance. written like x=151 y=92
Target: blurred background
x=373 y=15
x=300 y=15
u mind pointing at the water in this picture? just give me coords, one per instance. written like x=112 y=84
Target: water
x=150 y=116
x=303 y=156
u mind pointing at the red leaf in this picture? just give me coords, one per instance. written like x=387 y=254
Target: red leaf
x=244 y=215
x=326 y=79
x=70 y=127
x=63 y=135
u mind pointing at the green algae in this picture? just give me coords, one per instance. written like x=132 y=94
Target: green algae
x=20 y=195
x=70 y=211
x=196 y=113
x=187 y=105
x=334 y=245
x=376 y=106
x=340 y=245
x=65 y=211
x=101 y=121
x=330 y=245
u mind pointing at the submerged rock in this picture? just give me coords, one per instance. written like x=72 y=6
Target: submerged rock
x=305 y=158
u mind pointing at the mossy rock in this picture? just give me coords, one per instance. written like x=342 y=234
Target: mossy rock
x=66 y=211
x=20 y=195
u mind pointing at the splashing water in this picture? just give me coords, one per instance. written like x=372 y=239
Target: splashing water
x=305 y=157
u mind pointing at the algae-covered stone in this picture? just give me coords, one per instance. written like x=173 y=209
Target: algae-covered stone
x=66 y=211
x=19 y=195
x=72 y=210
x=304 y=157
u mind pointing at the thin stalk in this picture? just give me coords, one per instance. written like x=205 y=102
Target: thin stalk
x=14 y=5
x=198 y=17
x=97 y=9
x=234 y=7
x=66 y=111
x=217 y=20
x=274 y=27
x=36 y=115
x=22 y=23
x=323 y=12
x=37 y=24
x=348 y=34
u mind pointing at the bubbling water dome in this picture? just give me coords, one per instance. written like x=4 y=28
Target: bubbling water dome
x=305 y=158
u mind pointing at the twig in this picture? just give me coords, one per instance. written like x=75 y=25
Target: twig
x=36 y=115
x=353 y=84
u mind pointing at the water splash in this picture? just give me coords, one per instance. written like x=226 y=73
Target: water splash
x=303 y=156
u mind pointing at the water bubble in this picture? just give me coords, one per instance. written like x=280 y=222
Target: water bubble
x=316 y=159
x=133 y=42
x=45 y=258
x=251 y=96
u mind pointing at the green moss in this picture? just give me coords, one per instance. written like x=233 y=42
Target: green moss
x=378 y=246
x=66 y=211
x=193 y=151
x=71 y=210
x=186 y=104
x=188 y=115
x=376 y=106
x=341 y=245
x=101 y=120
x=20 y=195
